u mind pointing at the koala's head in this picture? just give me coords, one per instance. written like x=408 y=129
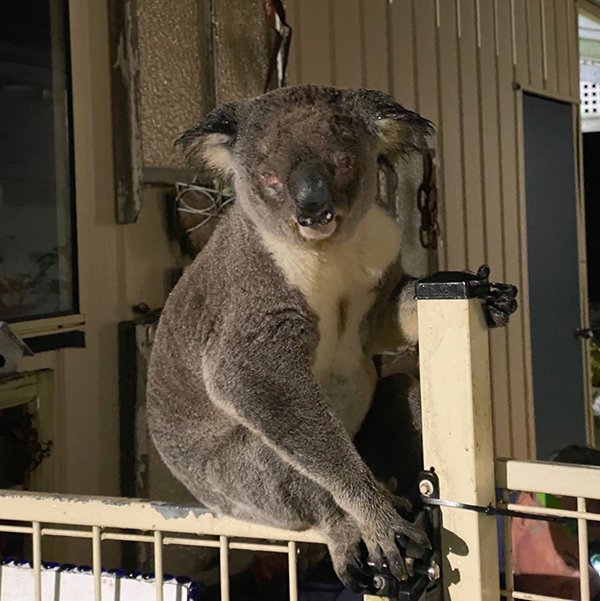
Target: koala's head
x=304 y=159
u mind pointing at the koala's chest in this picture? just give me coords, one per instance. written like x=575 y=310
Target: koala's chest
x=341 y=300
x=340 y=287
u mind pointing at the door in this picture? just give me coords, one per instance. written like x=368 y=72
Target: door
x=553 y=261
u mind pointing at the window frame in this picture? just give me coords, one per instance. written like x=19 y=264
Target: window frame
x=61 y=321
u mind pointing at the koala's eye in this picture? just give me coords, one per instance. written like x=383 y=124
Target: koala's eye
x=270 y=180
x=343 y=164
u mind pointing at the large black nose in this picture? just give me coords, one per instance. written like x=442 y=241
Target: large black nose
x=310 y=188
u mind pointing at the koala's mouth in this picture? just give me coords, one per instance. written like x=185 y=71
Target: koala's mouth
x=318 y=231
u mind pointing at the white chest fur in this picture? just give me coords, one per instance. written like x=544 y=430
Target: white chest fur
x=339 y=286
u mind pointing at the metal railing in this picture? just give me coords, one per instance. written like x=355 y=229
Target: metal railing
x=576 y=483
x=458 y=443
x=101 y=519
x=457 y=439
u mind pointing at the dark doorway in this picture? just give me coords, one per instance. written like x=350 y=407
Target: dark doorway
x=553 y=261
x=591 y=176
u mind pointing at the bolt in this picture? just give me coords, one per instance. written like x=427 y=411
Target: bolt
x=426 y=488
x=434 y=572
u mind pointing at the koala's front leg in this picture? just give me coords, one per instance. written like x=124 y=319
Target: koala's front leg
x=262 y=378
x=395 y=323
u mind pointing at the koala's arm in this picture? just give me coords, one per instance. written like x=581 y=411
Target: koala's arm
x=261 y=376
x=394 y=321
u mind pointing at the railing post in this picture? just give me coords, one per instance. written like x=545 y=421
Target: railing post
x=457 y=429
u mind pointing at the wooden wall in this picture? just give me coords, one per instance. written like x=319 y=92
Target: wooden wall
x=458 y=62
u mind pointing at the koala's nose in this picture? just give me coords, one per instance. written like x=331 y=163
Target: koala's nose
x=310 y=188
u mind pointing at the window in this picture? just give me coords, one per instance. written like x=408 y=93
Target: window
x=37 y=235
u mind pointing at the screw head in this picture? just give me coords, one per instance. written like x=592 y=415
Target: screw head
x=426 y=488
x=434 y=572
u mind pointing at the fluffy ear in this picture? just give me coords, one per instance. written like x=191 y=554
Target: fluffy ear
x=398 y=129
x=211 y=140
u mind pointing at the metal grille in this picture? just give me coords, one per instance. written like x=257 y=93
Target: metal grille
x=590 y=99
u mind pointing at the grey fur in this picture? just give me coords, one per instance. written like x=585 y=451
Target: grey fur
x=234 y=408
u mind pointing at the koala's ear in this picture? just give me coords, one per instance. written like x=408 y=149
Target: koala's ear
x=211 y=140
x=398 y=129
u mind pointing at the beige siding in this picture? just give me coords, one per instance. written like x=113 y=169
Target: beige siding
x=457 y=63
x=120 y=266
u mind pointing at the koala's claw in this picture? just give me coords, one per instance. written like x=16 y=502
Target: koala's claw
x=413 y=534
x=361 y=577
x=500 y=301
x=402 y=505
x=414 y=545
x=412 y=549
x=354 y=572
x=404 y=539
x=500 y=304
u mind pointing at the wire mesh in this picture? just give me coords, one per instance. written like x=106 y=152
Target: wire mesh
x=130 y=520
x=572 y=488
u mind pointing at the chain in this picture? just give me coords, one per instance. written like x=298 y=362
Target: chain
x=427 y=204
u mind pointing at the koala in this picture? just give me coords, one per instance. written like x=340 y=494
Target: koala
x=262 y=373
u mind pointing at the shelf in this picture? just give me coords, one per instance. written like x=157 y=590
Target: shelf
x=19 y=389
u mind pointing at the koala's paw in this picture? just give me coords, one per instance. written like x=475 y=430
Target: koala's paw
x=402 y=505
x=500 y=301
x=350 y=565
x=390 y=539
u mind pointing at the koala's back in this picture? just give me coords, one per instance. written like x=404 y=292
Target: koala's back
x=230 y=281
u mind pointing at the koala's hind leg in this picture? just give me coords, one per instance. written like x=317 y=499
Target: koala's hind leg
x=264 y=488
x=390 y=439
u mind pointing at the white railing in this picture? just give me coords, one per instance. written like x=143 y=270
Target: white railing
x=458 y=437
x=458 y=443
x=575 y=483
x=457 y=433
x=101 y=519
